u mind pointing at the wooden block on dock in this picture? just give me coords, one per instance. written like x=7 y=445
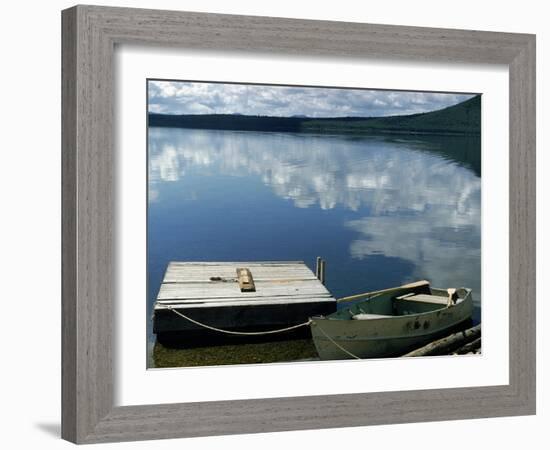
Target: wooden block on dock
x=246 y=282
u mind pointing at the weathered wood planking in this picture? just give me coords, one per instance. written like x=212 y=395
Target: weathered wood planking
x=230 y=289
x=182 y=304
x=286 y=293
x=232 y=301
x=185 y=272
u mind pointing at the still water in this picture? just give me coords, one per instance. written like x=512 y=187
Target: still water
x=381 y=210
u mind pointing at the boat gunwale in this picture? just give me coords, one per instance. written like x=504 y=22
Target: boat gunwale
x=394 y=317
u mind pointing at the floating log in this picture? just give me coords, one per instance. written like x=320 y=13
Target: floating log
x=448 y=344
x=470 y=347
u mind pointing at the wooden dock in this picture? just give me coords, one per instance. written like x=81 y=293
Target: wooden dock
x=237 y=296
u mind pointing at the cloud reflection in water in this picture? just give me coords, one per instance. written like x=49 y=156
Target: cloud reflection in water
x=407 y=199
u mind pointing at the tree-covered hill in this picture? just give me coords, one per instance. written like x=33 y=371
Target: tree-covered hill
x=463 y=118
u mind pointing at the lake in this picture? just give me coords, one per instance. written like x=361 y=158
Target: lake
x=381 y=210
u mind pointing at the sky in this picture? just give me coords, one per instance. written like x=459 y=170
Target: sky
x=178 y=97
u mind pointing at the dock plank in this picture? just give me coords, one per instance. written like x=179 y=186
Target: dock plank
x=231 y=289
x=185 y=273
x=236 y=263
x=286 y=298
x=240 y=302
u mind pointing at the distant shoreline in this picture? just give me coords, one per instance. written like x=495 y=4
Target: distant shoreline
x=335 y=132
x=461 y=119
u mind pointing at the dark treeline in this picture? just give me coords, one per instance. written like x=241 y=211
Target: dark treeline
x=226 y=122
x=463 y=118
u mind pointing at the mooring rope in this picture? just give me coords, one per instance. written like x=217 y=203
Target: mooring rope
x=338 y=345
x=242 y=333
x=259 y=333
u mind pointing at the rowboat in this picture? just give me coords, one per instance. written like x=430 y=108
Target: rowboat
x=390 y=322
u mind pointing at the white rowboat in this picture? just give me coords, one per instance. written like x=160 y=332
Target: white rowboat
x=391 y=322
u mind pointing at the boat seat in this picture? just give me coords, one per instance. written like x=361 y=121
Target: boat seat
x=364 y=316
x=424 y=298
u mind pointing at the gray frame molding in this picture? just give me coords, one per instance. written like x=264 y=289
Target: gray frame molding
x=89 y=36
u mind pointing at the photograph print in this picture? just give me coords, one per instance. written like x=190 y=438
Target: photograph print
x=299 y=224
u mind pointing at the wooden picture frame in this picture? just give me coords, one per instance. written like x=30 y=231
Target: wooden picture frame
x=90 y=34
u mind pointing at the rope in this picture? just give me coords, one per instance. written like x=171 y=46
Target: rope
x=258 y=333
x=338 y=345
x=242 y=333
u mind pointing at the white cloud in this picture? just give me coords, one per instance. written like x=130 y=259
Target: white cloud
x=173 y=97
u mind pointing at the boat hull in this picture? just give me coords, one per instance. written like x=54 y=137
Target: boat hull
x=386 y=336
